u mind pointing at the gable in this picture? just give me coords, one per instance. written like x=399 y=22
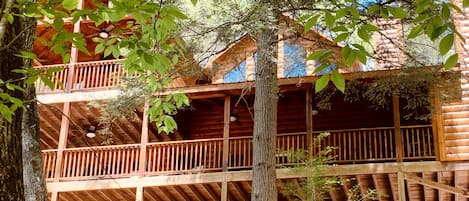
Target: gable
x=236 y=63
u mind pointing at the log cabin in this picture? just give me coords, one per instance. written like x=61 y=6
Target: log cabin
x=210 y=156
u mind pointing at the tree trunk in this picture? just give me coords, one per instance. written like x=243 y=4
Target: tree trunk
x=34 y=183
x=264 y=186
x=11 y=171
x=33 y=175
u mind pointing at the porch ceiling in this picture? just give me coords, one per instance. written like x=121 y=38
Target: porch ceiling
x=82 y=116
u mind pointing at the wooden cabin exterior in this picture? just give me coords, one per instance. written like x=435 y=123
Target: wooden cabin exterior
x=210 y=156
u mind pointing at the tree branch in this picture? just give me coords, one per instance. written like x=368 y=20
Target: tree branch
x=15 y=38
x=4 y=20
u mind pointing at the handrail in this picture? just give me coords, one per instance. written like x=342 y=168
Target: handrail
x=184 y=141
x=353 y=129
x=83 y=76
x=102 y=147
x=191 y=156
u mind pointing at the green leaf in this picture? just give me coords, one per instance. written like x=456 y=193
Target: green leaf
x=194 y=2
x=47 y=82
x=451 y=61
x=30 y=80
x=445 y=12
x=13 y=87
x=341 y=37
x=341 y=13
x=415 y=31
x=320 y=67
x=99 y=48
x=465 y=3
x=26 y=55
x=148 y=58
x=319 y=55
x=310 y=23
x=6 y=112
x=397 y=12
x=338 y=80
x=330 y=19
x=364 y=35
x=10 y=18
x=321 y=83
x=70 y=4
x=446 y=44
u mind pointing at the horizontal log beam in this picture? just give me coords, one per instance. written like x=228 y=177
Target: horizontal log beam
x=216 y=177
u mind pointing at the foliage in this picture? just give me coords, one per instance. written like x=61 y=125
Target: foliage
x=314 y=186
x=354 y=194
x=344 y=19
x=155 y=51
x=414 y=85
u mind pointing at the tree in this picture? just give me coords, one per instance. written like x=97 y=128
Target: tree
x=265 y=107
x=351 y=23
x=155 y=44
x=16 y=34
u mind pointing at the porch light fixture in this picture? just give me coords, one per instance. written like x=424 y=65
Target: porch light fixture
x=91 y=132
x=233 y=116
x=103 y=34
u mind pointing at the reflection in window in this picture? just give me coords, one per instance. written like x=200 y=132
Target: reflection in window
x=237 y=74
x=295 y=63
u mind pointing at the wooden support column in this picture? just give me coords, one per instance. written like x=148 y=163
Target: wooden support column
x=226 y=132
x=64 y=127
x=397 y=127
x=226 y=146
x=401 y=186
x=54 y=196
x=224 y=190
x=437 y=125
x=139 y=194
x=73 y=54
x=309 y=120
x=142 y=162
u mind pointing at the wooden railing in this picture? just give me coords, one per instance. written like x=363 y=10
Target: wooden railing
x=49 y=159
x=192 y=156
x=105 y=161
x=184 y=156
x=83 y=76
x=379 y=144
x=418 y=142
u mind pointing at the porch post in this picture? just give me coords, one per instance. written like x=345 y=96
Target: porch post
x=397 y=127
x=54 y=196
x=64 y=126
x=226 y=133
x=437 y=122
x=226 y=144
x=143 y=142
x=401 y=186
x=73 y=54
x=309 y=120
x=139 y=194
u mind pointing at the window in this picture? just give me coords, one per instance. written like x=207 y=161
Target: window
x=294 y=60
x=237 y=74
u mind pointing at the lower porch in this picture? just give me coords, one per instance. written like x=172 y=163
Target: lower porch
x=365 y=145
x=392 y=181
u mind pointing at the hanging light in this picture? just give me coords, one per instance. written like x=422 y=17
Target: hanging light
x=91 y=132
x=233 y=116
x=103 y=34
